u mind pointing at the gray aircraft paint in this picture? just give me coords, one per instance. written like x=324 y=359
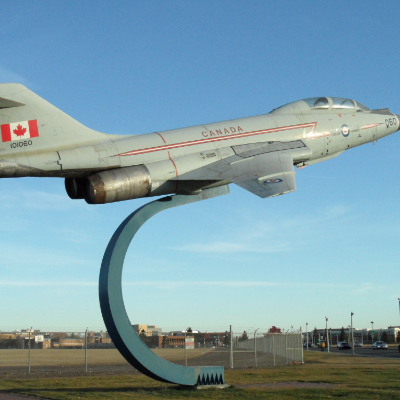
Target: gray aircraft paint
x=247 y=151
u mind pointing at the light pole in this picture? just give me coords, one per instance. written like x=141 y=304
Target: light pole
x=86 y=335
x=255 y=347
x=307 y=334
x=352 y=335
x=29 y=352
x=185 y=346
x=395 y=336
x=326 y=327
x=231 y=346
x=372 y=328
x=399 y=306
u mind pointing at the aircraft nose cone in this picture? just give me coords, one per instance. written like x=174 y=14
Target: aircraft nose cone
x=398 y=121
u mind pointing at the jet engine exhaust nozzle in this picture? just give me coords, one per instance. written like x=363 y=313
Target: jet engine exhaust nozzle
x=118 y=185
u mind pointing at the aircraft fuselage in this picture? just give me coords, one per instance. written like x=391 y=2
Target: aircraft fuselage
x=310 y=131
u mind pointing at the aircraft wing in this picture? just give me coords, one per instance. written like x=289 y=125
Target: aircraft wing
x=278 y=178
x=266 y=175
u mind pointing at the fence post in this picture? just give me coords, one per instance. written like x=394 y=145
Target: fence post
x=273 y=346
x=29 y=352
x=86 y=332
x=231 y=347
x=185 y=349
x=255 y=350
x=255 y=347
x=301 y=344
x=287 y=359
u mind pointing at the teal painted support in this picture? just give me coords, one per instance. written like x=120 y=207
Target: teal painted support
x=112 y=305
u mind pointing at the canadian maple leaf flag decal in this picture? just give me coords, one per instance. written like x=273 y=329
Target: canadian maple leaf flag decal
x=19 y=130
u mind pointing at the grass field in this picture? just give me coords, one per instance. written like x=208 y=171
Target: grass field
x=321 y=376
x=13 y=358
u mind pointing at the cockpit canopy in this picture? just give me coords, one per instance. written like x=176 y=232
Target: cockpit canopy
x=325 y=104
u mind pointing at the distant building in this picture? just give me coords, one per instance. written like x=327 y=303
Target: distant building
x=148 y=330
x=176 y=339
x=360 y=335
x=274 y=329
x=210 y=339
x=7 y=336
x=98 y=337
x=164 y=341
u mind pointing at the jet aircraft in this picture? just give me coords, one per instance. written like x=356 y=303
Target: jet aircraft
x=257 y=153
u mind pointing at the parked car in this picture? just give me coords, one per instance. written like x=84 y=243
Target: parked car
x=358 y=344
x=344 y=346
x=309 y=345
x=380 y=345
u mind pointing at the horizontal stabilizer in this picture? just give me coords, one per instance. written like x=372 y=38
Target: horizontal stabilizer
x=6 y=103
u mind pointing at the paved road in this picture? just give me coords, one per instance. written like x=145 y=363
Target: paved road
x=365 y=351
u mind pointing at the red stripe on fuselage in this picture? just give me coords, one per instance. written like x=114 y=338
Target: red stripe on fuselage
x=176 y=169
x=369 y=126
x=161 y=137
x=217 y=139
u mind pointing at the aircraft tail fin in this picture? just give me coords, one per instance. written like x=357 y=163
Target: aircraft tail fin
x=26 y=117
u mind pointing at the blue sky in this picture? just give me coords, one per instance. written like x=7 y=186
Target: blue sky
x=127 y=67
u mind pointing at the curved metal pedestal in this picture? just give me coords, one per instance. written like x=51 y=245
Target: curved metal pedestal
x=112 y=306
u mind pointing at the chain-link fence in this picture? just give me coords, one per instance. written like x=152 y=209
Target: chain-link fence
x=38 y=354
x=274 y=349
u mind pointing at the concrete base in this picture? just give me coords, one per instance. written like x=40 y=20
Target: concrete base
x=224 y=386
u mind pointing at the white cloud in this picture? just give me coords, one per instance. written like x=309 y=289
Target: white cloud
x=233 y=247
x=364 y=288
x=333 y=211
x=278 y=234
x=36 y=200
x=8 y=76
x=44 y=283
x=306 y=176
x=359 y=288
x=29 y=257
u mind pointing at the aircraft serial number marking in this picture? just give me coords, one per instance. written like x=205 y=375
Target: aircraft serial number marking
x=390 y=122
x=311 y=125
x=21 y=143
